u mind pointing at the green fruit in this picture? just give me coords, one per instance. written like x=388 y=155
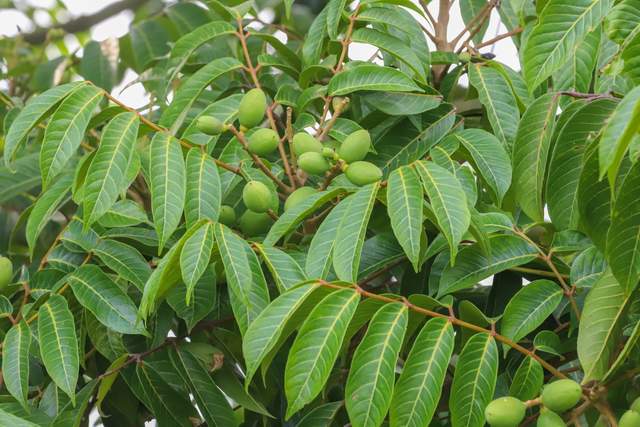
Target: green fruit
x=227 y=216
x=329 y=153
x=210 y=125
x=252 y=108
x=6 y=271
x=355 y=147
x=549 y=419
x=561 y=395
x=298 y=196
x=313 y=163
x=256 y=196
x=629 y=419
x=635 y=406
x=505 y=412
x=336 y=103
x=263 y=141
x=305 y=143
x=363 y=173
x=254 y=224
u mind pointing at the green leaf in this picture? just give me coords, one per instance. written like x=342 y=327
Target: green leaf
x=561 y=26
x=204 y=298
x=105 y=299
x=24 y=177
x=73 y=413
x=33 y=113
x=195 y=256
x=96 y=67
x=489 y=158
x=418 y=389
x=335 y=8
x=124 y=260
x=168 y=182
x=285 y=270
x=203 y=190
x=620 y=130
x=315 y=38
x=8 y=419
x=470 y=9
x=622 y=20
x=530 y=155
x=124 y=213
x=371 y=77
x=497 y=98
x=528 y=380
x=369 y=386
x=15 y=361
x=404 y=206
x=248 y=296
x=65 y=131
x=353 y=228
x=448 y=201
x=402 y=103
x=211 y=401
x=529 y=307
x=149 y=41
x=106 y=177
x=474 y=381
x=601 y=326
x=577 y=73
x=59 y=344
x=107 y=381
x=316 y=348
x=321 y=416
x=474 y=265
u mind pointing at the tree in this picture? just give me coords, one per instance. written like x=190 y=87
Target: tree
x=286 y=236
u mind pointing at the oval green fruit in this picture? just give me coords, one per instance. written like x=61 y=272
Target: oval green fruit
x=304 y=143
x=210 y=125
x=298 y=196
x=313 y=163
x=363 y=173
x=635 y=406
x=227 y=216
x=355 y=147
x=505 y=412
x=263 y=141
x=549 y=419
x=561 y=395
x=630 y=418
x=256 y=196
x=6 y=271
x=252 y=107
x=254 y=224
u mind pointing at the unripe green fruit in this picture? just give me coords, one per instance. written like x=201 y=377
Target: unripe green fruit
x=263 y=141
x=298 y=196
x=256 y=196
x=210 y=125
x=505 y=412
x=6 y=271
x=355 y=147
x=313 y=163
x=305 y=143
x=254 y=224
x=329 y=153
x=363 y=173
x=561 y=395
x=252 y=108
x=227 y=216
x=549 y=419
x=635 y=406
x=629 y=419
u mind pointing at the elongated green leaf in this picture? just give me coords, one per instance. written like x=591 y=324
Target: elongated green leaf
x=124 y=213
x=24 y=177
x=352 y=231
x=203 y=191
x=528 y=380
x=417 y=392
x=33 y=113
x=561 y=26
x=248 y=296
x=316 y=348
x=470 y=9
x=72 y=414
x=106 y=177
x=530 y=154
x=322 y=416
x=371 y=77
x=489 y=158
x=204 y=298
x=448 y=201
x=211 y=401
x=102 y=297
x=529 y=307
x=577 y=73
x=370 y=383
x=315 y=38
x=124 y=260
x=8 y=419
x=402 y=103
x=335 y=9
x=168 y=183
x=59 y=344
x=66 y=129
x=404 y=206
x=474 y=381
x=285 y=270
x=496 y=96
x=622 y=20
x=601 y=326
x=107 y=381
x=474 y=265
x=150 y=41
x=195 y=257
x=15 y=361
